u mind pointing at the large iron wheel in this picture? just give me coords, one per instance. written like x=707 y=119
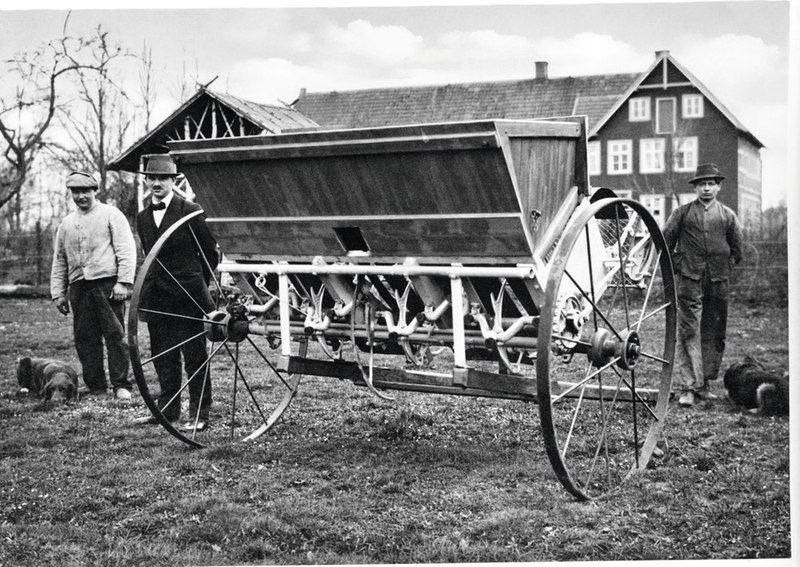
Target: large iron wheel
x=248 y=394
x=606 y=346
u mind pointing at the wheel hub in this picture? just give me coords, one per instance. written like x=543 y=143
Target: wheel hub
x=606 y=346
x=221 y=325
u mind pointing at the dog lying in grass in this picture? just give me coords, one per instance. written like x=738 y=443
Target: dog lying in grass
x=752 y=386
x=47 y=378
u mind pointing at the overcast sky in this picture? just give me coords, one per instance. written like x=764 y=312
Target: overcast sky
x=739 y=50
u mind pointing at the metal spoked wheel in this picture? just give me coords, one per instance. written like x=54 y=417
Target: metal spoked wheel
x=248 y=394
x=606 y=346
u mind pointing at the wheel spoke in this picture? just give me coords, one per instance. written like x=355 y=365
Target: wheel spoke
x=173 y=347
x=653 y=357
x=623 y=261
x=205 y=260
x=246 y=385
x=180 y=285
x=179 y=316
x=268 y=363
x=647 y=295
x=595 y=309
x=602 y=443
x=654 y=312
x=585 y=380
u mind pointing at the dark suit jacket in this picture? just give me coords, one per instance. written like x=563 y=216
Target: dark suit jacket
x=180 y=258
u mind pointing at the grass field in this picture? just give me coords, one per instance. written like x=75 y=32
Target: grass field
x=349 y=478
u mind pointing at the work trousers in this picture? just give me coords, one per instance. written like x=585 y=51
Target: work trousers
x=97 y=318
x=702 y=325
x=164 y=335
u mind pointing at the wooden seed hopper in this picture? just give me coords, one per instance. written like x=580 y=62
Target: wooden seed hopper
x=466 y=258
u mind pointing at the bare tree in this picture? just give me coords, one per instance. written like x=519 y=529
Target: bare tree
x=97 y=126
x=26 y=113
x=147 y=88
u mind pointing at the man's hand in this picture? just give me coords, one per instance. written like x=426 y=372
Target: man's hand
x=121 y=292
x=62 y=305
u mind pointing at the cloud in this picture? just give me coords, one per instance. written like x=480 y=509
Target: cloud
x=364 y=43
x=746 y=67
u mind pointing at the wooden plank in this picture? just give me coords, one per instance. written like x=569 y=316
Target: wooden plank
x=320 y=135
x=478 y=383
x=457 y=182
x=418 y=381
x=438 y=239
x=434 y=143
x=542 y=130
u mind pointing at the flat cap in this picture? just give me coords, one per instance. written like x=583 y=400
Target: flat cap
x=81 y=180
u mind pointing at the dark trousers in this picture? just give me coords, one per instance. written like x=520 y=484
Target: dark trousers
x=163 y=336
x=702 y=327
x=96 y=318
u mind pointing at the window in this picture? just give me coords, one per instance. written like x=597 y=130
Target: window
x=619 y=157
x=655 y=204
x=651 y=155
x=692 y=106
x=639 y=109
x=665 y=115
x=594 y=158
x=624 y=193
x=684 y=153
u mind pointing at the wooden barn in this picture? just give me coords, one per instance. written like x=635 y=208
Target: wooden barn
x=647 y=131
x=210 y=114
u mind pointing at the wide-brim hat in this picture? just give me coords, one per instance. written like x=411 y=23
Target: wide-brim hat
x=159 y=164
x=707 y=171
x=81 y=180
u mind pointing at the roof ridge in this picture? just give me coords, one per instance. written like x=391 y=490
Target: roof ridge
x=464 y=83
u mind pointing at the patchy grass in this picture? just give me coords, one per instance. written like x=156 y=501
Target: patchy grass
x=347 y=478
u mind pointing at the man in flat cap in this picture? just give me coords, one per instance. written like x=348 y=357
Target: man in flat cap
x=705 y=238
x=178 y=287
x=94 y=264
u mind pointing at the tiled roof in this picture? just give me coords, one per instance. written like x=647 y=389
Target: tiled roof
x=522 y=99
x=274 y=119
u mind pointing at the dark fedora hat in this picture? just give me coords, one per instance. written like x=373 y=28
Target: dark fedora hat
x=707 y=171
x=159 y=164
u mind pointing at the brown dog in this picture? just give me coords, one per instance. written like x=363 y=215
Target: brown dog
x=48 y=378
x=750 y=385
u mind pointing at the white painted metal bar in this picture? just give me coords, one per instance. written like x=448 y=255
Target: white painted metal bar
x=457 y=302
x=286 y=331
x=520 y=271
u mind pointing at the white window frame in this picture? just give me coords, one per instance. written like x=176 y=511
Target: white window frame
x=692 y=106
x=674 y=115
x=655 y=203
x=652 y=155
x=621 y=150
x=593 y=155
x=639 y=109
x=689 y=145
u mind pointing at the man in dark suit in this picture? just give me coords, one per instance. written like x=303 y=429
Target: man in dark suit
x=178 y=286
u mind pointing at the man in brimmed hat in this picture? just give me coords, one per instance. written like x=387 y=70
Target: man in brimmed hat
x=705 y=238
x=94 y=263
x=178 y=287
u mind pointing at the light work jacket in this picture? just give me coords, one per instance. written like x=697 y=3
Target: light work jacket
x=90 y=245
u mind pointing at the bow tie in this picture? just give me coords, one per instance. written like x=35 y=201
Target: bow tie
x=158 y=206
